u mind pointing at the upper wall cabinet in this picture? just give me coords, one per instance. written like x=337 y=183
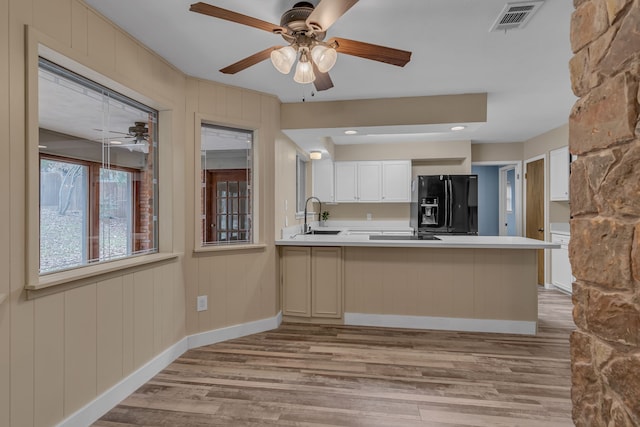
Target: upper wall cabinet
x=373 y=181
x=358 y=181
x=396 y=181
x=323 y=182
x=559 y=174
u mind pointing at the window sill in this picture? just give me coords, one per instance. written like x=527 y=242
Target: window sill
x=230 y=247
x=57 y=282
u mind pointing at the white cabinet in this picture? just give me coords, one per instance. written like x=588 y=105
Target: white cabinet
x=358 y=181
x=373 y=181
x=559 y=174
x=369 y=182
x=560 y=265
x=346 y=181
x=323 y=187
x=396 y=181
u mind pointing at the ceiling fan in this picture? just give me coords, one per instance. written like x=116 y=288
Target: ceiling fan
x=304 y=27
x=139 y=133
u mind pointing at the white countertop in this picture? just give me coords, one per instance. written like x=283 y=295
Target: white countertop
x=446 y=241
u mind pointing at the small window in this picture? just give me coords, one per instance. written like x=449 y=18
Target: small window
x=301 y=183
x=226 y=176
x=98 y=172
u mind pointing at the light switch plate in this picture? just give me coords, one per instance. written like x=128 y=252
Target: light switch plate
x=202 y=303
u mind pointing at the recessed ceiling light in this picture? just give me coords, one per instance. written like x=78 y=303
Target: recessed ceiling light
x=115 y=142
x=455 y=128
x=42 y=146
x=350 y=132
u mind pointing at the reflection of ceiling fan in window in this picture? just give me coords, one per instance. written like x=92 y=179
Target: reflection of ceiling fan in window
x=137 y=139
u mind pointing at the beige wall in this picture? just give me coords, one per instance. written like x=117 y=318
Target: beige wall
x=497 y=152
x=240 y=284
x=59 y=352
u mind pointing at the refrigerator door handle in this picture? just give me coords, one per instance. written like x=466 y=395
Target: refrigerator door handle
x=446 y=203
x=450 y=203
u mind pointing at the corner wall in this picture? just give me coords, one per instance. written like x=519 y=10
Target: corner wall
x=59 y=352
x=605 y=229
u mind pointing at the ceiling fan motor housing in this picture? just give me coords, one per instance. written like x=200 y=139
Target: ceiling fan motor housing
x=295 y=19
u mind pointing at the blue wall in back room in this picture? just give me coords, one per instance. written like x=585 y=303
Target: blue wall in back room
x=488 y=199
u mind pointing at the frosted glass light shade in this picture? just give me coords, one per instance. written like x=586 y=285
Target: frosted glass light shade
x=315 y=155
x=304 y=73
x=324 y=57
x=283 y=59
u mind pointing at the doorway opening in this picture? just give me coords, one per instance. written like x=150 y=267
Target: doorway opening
x=499 y=197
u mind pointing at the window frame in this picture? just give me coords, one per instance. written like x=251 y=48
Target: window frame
x=301 y=184
x=38 y=45
x=257 y=219
x=93 y=210
x=92 y=232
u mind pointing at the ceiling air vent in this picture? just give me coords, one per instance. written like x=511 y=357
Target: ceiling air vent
x=516 y=15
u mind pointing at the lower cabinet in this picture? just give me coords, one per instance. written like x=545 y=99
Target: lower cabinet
x=311 y=281
x=560 y=265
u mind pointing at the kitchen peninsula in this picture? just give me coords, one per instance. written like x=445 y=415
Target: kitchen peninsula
x=464 y=283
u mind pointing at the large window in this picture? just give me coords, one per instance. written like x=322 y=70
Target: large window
x=226 y=178
x=98 y=172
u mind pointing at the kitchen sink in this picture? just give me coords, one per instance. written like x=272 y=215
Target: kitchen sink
x=333 y=232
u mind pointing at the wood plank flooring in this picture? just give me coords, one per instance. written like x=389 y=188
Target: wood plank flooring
x=313 y=375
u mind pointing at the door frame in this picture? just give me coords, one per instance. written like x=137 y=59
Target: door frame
x=502 y=203
x=545 y=204
x=518 y=202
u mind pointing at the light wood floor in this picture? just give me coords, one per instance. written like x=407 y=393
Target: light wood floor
x=309 y=375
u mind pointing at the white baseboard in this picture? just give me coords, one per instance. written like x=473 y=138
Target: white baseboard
x=442 y=323
x=235 y=331
x=91 y=412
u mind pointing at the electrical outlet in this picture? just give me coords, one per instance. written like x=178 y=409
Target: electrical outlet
x=369 y=217
x=202 y=303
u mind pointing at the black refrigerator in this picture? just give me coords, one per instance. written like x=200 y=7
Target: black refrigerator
x=445 y=204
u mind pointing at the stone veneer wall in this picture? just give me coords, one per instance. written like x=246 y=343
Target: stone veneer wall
x=605 y=206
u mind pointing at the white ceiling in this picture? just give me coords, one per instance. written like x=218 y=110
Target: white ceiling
x=524 y=72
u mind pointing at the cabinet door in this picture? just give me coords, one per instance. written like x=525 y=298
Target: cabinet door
x=326 y=282
x=346 y=181
x=323 y=180
x=369 y=181
x=296 y=281
x=396 y=181
x=560 y=265
x=559 y=174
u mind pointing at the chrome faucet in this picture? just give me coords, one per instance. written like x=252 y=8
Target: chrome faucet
x=305 y=227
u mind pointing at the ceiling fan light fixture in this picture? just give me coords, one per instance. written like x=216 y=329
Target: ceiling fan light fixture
x=304 y=71
x=283 y=59
x=324 y=56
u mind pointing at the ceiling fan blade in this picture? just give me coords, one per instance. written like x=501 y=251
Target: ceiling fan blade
x=327 y=12
x=372 y=51
x=249 y=61
x=322 y=81
x=218 y=12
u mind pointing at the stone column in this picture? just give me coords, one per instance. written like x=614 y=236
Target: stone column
x=604 y=132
